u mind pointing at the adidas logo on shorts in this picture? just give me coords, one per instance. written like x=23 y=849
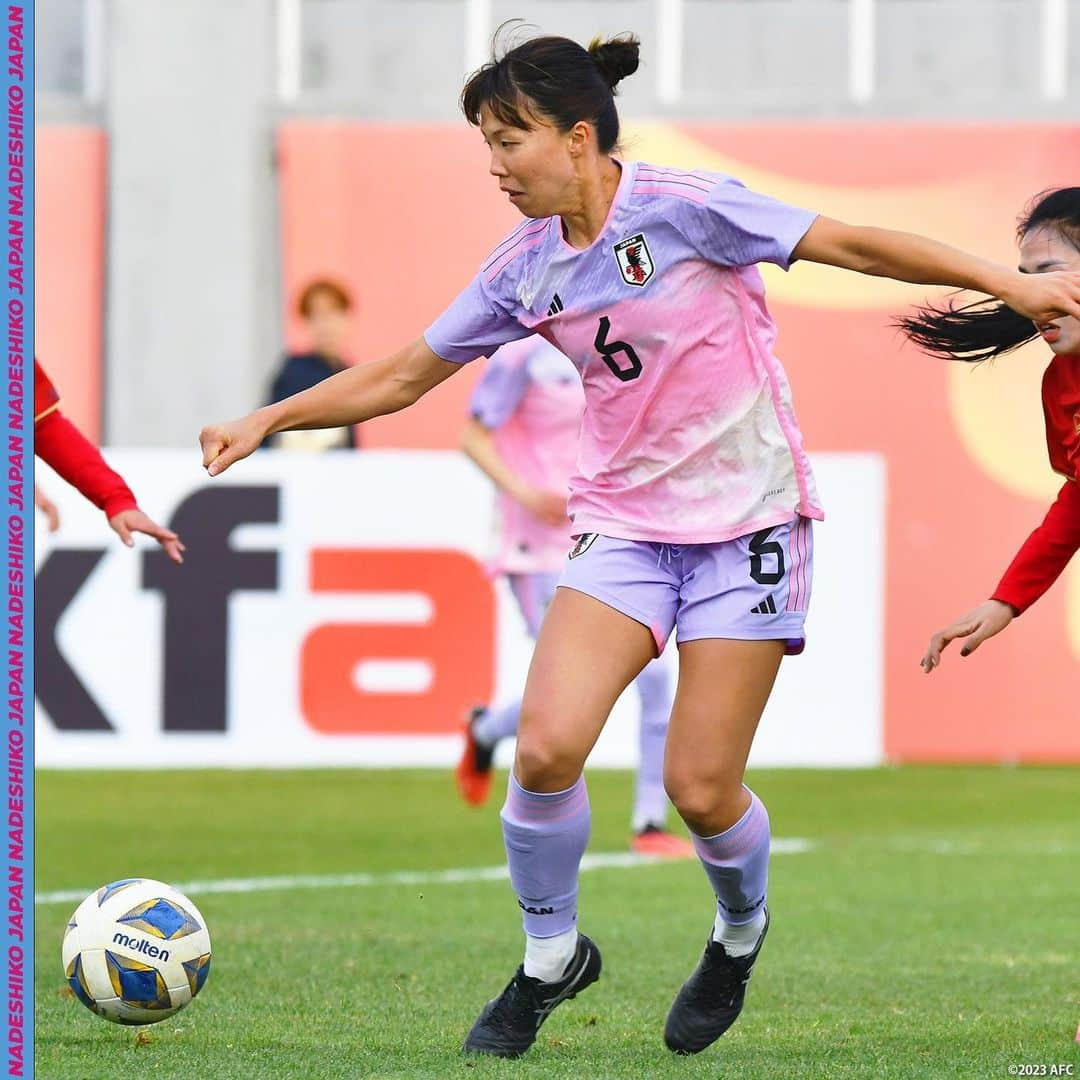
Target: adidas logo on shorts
x=766 y=607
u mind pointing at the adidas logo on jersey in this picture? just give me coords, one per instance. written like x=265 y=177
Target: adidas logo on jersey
x=766 y=607
x=556 y=306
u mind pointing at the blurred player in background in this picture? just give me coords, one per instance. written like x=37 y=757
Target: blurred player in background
x=326 y=308
x=63 y=447
x=523 y=433
x=1049 y=236
x=693 y=495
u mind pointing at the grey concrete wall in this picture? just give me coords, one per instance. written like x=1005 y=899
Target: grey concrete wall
x=743 y=59
x=191 y=312
x=58 y=52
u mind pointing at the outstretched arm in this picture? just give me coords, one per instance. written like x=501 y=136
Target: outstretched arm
x=922 y=261
x=62 y=446
x=1037 y=565
x=1045 y=553
x=350 y=397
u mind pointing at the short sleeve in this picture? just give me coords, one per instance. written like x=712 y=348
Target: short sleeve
x=739 y=227
x=475 y=324
x=501 y=388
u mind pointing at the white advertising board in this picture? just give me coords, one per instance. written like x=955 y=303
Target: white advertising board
x=334 y=610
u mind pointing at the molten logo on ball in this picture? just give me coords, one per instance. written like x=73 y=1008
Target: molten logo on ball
x=123 y=977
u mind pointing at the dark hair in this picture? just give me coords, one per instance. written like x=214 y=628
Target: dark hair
x=337 y=293
x=555 y=78
x=989 y=328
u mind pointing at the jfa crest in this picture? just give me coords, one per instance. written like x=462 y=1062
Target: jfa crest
x=584 y=542
x=635 y=261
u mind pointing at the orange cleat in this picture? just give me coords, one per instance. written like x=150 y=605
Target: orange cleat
x=473 y=772
x=658 y=843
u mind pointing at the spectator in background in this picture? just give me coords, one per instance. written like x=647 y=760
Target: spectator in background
x=326 y=307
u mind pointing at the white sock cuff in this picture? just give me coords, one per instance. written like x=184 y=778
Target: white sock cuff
x=547 y=958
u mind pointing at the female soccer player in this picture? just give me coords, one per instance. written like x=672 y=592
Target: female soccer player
x=693 y=495
x=62 y=446
x=1049 y=236
x=523 y=433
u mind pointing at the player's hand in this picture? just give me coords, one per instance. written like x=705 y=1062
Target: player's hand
x=548 y=506
x=48 y=508
x=983 y=622
x=1044 y=297
x=224 y=444
x=135 y=521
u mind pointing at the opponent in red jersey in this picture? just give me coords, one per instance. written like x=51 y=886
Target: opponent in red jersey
x=62 y=446
x=1049 y=234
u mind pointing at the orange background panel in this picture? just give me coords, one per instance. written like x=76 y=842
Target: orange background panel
x=462 y=601
x=406 y=214
x=403 y=216
x=69 y=221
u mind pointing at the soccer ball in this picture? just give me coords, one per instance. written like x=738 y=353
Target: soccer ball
x=136 y=951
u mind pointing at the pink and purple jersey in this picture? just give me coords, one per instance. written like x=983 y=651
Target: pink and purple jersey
x=688 y=435
x=530 y=396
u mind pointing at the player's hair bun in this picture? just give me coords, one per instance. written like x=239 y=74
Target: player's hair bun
x=616 y=58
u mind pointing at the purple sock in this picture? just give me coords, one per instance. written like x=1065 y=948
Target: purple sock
x=737 y=862
x=497 y=722
x=545 y=836
x=653 y=687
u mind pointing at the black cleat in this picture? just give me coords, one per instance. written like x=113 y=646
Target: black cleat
x=711 y=999
x=508 y=1025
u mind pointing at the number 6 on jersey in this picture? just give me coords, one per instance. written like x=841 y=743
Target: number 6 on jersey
x=608 y=349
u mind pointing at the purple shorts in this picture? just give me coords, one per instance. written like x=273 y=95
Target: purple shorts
x=753 y=588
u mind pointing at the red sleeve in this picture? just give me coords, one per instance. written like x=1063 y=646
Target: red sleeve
x=1045 y=553
x=60 y=444
x=45 y=396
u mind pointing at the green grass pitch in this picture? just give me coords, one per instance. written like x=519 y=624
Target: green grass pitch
x=933 y=929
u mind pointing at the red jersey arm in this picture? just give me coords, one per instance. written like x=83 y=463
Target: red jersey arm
x=60 y=444
x=1045 y=553
x=46 y=399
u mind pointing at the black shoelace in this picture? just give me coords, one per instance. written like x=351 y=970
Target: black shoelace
x=517 y=1003
x=722 y=980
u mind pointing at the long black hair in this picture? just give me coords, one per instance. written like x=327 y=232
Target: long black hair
x=989 y=328
x=557 y=79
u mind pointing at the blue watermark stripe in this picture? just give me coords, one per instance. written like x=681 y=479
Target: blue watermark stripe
x=17 y=963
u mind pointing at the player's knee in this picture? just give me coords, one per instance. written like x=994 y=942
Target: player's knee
x=541 y=764
x=708 y=805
